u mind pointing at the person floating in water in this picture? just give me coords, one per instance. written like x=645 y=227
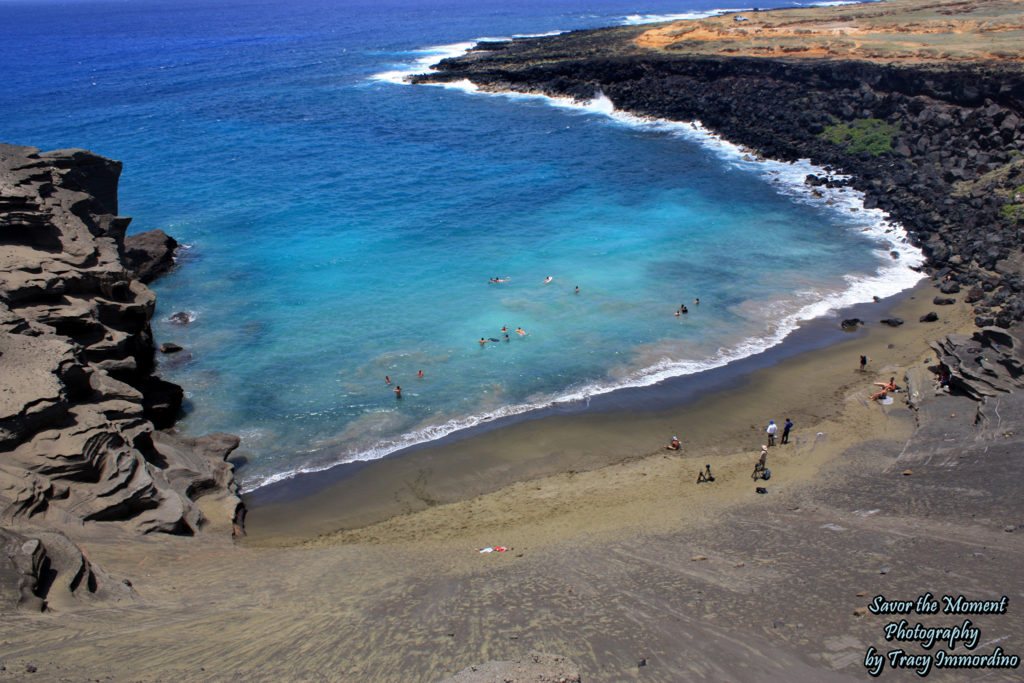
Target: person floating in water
x=696 y=302
x=547 y=280
x=504 y=328
x=387 y=380
x=577 y=289
x=521 y=332
x=419 y=374
x=398 y=391
x=683 y=309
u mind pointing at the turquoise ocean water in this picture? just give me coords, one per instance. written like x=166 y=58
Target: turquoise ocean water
x=341 y=226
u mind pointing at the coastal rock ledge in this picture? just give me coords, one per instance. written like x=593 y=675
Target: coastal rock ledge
x=79 y=404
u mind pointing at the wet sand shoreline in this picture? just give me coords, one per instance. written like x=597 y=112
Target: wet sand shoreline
x=626 y=425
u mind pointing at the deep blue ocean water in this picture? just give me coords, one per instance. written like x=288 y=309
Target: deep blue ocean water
x=342 y=227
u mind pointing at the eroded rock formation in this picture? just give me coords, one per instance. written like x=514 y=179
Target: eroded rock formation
x=79 y=405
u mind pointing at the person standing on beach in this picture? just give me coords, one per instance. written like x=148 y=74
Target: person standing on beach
x=863 y=362
x=770 y=431
x=785 y=431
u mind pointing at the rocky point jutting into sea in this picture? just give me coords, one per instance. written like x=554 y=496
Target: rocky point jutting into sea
x=81 y=408
x=931 y=132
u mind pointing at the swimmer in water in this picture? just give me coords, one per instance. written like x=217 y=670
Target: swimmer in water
x=521 y=332
x=387 y=380
x=398 y=391
x=482 y=341
x=547 y=279
x=419 y=374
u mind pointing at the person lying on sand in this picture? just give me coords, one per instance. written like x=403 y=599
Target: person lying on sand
x=880 y=395
x=888 y=386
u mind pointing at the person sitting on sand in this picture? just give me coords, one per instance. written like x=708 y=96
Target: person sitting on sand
x=674 y=445
x=759 y=466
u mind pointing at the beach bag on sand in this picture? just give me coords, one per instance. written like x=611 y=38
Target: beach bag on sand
x=767 y=474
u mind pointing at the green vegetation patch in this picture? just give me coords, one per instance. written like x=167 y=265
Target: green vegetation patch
x=1014 y=211
x=862 y=135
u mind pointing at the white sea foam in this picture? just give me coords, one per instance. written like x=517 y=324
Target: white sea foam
x=637 y=19
x=432 y=56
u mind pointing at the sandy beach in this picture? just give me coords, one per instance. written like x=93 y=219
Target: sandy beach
x=629 y=569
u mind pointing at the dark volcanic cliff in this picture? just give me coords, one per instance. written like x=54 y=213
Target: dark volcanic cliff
x=939 y=147
x=79 y=405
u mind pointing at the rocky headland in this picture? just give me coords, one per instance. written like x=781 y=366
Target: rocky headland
x=918 y=105
x=80 y=407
